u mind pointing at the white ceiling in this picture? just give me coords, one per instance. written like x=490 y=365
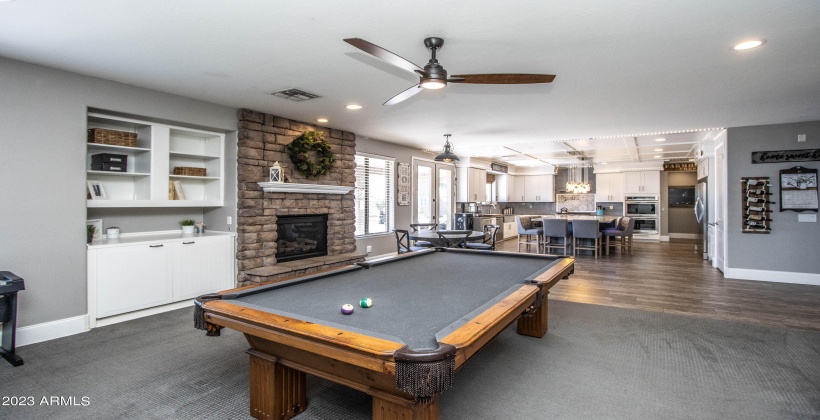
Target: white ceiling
x=624 y=69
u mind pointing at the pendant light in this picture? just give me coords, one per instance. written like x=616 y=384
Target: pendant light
x=448 y=155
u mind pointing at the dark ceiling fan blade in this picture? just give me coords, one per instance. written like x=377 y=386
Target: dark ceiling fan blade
x=383 y=54
x=502 y=79
x=404 y=95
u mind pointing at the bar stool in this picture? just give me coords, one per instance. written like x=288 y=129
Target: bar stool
x=556 y=235
x=586 y=229
x=526 y=231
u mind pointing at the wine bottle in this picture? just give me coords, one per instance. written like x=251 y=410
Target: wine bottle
x=757 y=217
x=757 y=192
x=755 y=200
x=753 y=225
x=754 y=208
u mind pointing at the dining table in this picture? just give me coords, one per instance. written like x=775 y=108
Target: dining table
x=432 y=236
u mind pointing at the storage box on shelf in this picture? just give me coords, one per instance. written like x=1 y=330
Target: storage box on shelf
x=144 y=179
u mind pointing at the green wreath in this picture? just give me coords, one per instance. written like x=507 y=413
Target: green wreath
x=300 y=150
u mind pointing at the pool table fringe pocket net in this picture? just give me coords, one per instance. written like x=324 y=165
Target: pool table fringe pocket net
x=425 y=373
x=199 y=315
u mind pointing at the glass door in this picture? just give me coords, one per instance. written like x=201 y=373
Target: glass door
x=434 y=192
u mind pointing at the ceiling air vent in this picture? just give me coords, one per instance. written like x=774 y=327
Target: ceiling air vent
x=294 y=94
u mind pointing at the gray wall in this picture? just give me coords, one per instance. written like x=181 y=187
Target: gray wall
x=792 y=246
x=42 y=153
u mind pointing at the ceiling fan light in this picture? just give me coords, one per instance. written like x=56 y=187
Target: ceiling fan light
x=433 y=83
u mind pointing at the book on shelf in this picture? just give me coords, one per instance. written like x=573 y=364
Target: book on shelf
x=180 y=194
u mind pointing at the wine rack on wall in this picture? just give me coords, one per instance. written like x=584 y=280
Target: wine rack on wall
x=757 y=217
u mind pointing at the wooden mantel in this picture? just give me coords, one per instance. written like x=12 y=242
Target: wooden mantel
x=285 y=187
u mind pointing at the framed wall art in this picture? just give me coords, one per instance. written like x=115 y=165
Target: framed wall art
x=798 y=189
x=403 y=184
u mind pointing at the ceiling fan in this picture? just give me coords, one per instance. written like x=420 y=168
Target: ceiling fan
x=434 y=76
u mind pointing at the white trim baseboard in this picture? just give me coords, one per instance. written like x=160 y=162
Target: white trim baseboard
x=685 y=235
x=773 y=276
x=101 y=322
x=50 y=330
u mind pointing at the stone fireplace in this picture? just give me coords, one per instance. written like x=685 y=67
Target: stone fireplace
x=261 y=142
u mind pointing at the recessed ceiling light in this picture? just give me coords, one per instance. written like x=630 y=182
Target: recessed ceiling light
x=657 y=156
x=322 y=120
x=659 y=150
x=660 y=139
x=749 y=44
x=603 y=163
x=353 y=106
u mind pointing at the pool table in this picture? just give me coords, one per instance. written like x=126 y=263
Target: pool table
x=432 y=311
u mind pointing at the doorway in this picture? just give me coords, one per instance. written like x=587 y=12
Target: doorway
x=434 y=192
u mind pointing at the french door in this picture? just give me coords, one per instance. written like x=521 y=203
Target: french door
x=433 y=192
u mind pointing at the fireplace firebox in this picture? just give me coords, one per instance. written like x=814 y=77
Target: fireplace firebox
x=300 y=237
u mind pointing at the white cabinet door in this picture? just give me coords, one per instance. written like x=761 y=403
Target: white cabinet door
x=471 y=186
x=201 y=265
x=609 y=187
x=510 y=230
x=539 y=188
x=643 y=182
x=520 y=189
x=129 y=278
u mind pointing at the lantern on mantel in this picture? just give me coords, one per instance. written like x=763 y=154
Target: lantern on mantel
x=276 y=174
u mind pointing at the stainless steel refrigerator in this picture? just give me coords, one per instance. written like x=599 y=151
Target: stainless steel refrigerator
x=702 y=215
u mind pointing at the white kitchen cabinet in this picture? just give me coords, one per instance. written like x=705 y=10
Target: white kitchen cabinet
x=539 y=188
x=506 y=188
x=510 y=230
x=609 y=187
x=642 y=182
x=150 y=165
x=144 y=271
x=472 y=185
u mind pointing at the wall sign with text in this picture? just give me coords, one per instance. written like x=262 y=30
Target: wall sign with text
x=776 y=156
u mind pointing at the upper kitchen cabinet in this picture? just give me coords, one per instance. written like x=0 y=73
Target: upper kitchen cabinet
x=148 y=170
x=642 y=182
x=506 y=188
x=535 y=188
x=609 y=187
x=472 y=185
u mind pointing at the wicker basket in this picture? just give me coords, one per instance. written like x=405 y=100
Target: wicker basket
x=113 y=137
x=189 y=171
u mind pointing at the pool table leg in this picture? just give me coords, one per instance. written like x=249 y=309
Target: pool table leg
x=535 y=324
x=388 y=409
x=277 y=391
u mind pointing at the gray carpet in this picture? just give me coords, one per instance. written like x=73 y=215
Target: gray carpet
x=595 y=362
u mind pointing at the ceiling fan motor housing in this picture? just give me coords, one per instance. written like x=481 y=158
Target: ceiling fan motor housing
x=435 y=76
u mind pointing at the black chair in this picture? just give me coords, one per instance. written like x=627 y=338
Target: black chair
x=454 y=238
x=423 y=226
x=403 y=242
x=489 y=239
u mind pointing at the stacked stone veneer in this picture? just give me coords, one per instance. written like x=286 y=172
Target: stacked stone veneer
x=261 y=142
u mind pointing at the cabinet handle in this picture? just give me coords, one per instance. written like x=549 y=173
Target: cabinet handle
x=155 y=246
x=188 y=243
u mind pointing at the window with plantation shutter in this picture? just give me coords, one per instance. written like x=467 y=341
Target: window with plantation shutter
x=374 y=194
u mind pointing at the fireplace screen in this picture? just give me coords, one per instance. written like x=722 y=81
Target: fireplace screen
x=300 y=237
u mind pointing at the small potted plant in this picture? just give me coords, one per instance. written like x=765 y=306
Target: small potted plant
x=187 y=226
x=89 y=230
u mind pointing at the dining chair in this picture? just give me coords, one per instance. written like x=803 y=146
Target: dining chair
x=526 y=231
x=403 y=242
x=423 y=226
x=454 y=238
x=488 y=244
x=586 y=229
x=556 y=235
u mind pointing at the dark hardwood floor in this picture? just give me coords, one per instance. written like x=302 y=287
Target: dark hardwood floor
x=671 y=277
